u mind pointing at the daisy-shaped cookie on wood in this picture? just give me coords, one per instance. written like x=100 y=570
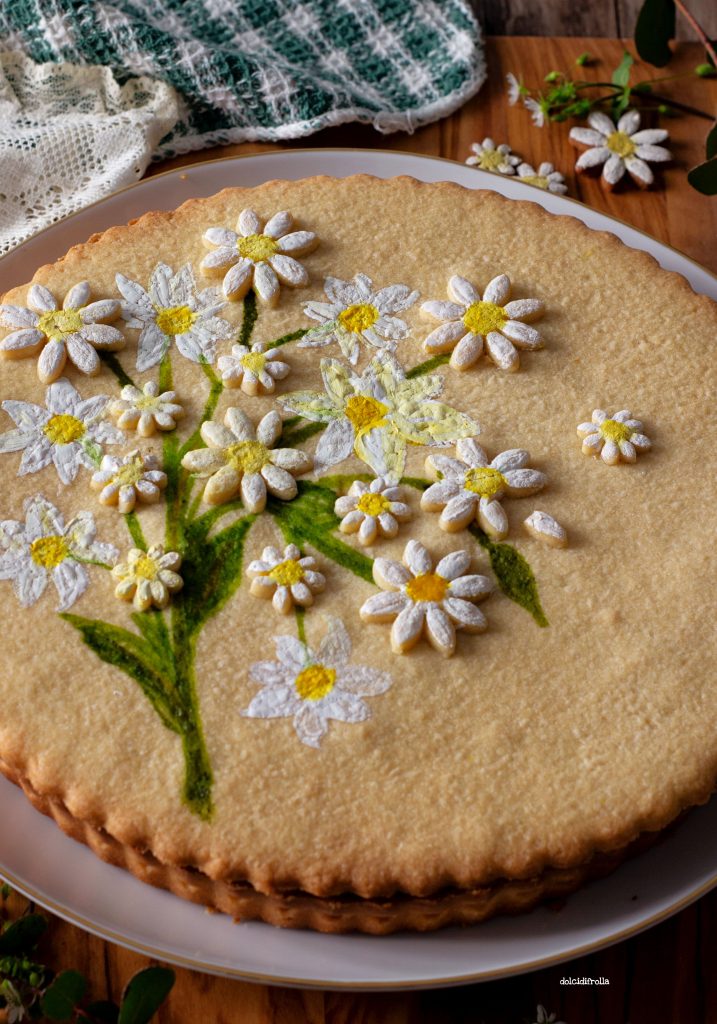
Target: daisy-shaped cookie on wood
x=546 y=177
x=471 y=323
x=619 y=148
x=489 y=157
x=258 y=255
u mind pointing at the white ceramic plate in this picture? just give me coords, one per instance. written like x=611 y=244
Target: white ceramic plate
x=65 y=877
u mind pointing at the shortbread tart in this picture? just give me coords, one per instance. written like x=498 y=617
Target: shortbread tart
x=356 y=551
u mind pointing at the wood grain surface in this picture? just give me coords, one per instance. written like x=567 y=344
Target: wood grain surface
x=667 y=975
x=592 y=18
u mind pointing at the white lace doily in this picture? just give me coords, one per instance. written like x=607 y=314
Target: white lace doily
x=70 y=135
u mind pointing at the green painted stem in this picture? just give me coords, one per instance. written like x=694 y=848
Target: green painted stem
x=198 y=777
x=112 y=363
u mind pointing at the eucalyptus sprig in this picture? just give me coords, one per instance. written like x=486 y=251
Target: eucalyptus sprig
x=30 y=990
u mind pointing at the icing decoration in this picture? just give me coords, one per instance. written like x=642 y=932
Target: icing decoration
x=356 y=312
x=314 y=687
x=146 y=410
x=543 y=527
x=43 y=548
x=620 y=148
x=489 y=157
x=148 y=577
x=254 y=370
x=377 y=414
x=470 y=487
x=123 y=482
x=285 y=577
x=421 y=600
x=173 y=309
x=68 y=433
x=372 y=510
x=259 y=256
x=615 y=438
x=546 y=177
x=240 y=457
x=470 y=321
x=72 y=332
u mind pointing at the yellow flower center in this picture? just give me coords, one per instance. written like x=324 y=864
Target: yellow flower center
x=539 y=180
x=620 y=143
x=130 y=473
x=175 y=319
x=257 y=248
x=484 y=481
x=63 y=429
x=49 y=552
x=484 y=317
x=287 y=573
x=148 y=402
x=365 y=413
x=315 y=682
x=145 y=567
x=247 y=456
x=59 y=323
x=428 y=587
x=373 y=504
x=358 y=318
x=490 y=159
x=611 y=430
x=254 y=362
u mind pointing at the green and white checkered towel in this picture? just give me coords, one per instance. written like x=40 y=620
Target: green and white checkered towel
x=267 y=69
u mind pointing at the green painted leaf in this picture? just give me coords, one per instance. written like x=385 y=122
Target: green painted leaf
x=514 y=575
x=654 y=29
x=135 y=530
x=310 y=519
x=134 y=656
x=292 y=437
x=711 y=142
x=704 y=178
x=153 y=628
x=22 y=935
x=63 y=995
x=212 y=570
x=144 y=994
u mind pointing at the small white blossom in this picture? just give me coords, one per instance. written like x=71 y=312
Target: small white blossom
x=372 y=510
x=255 y=370
x=616 y=438
x=537 y=113
x=241 y=458
x=148 y=577
x=68 y=433
x=43 y=548
x=470 y=487
x=123 y=482
x=357 y=312
x=471 y=322
x=619 y=148
x=489 y=157
x=287 y=577
x=427 y=601
x=258 y=255
x=72 y=332
x=546 y=177
x=314 y=687
x=514 y=88
x=146 y=410
x=173 y=309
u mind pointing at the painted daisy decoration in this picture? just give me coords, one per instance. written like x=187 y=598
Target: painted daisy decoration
x=240 y=458
x=471 y=323
x=616 y=438
x=356 y=312
x=255 y=370
x=546 y=177
x=314 y=687
x=173 y=310
x=148 y=578
x=44 y=548
x=489 y=157
x=67 y=433
x=72 y=332
x=146 y=410
x=425 y=601
x=470 y=487
x=372 y=510
x=258 y=255
x=620 y=148
x=287 y=578
x=378 y=414
x=122 y=482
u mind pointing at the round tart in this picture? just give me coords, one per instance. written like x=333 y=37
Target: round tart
x=355 y=551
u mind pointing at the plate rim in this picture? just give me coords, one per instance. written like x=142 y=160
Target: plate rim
x=66 y=913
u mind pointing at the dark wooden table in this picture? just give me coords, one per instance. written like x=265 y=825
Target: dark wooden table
x=666 y=975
